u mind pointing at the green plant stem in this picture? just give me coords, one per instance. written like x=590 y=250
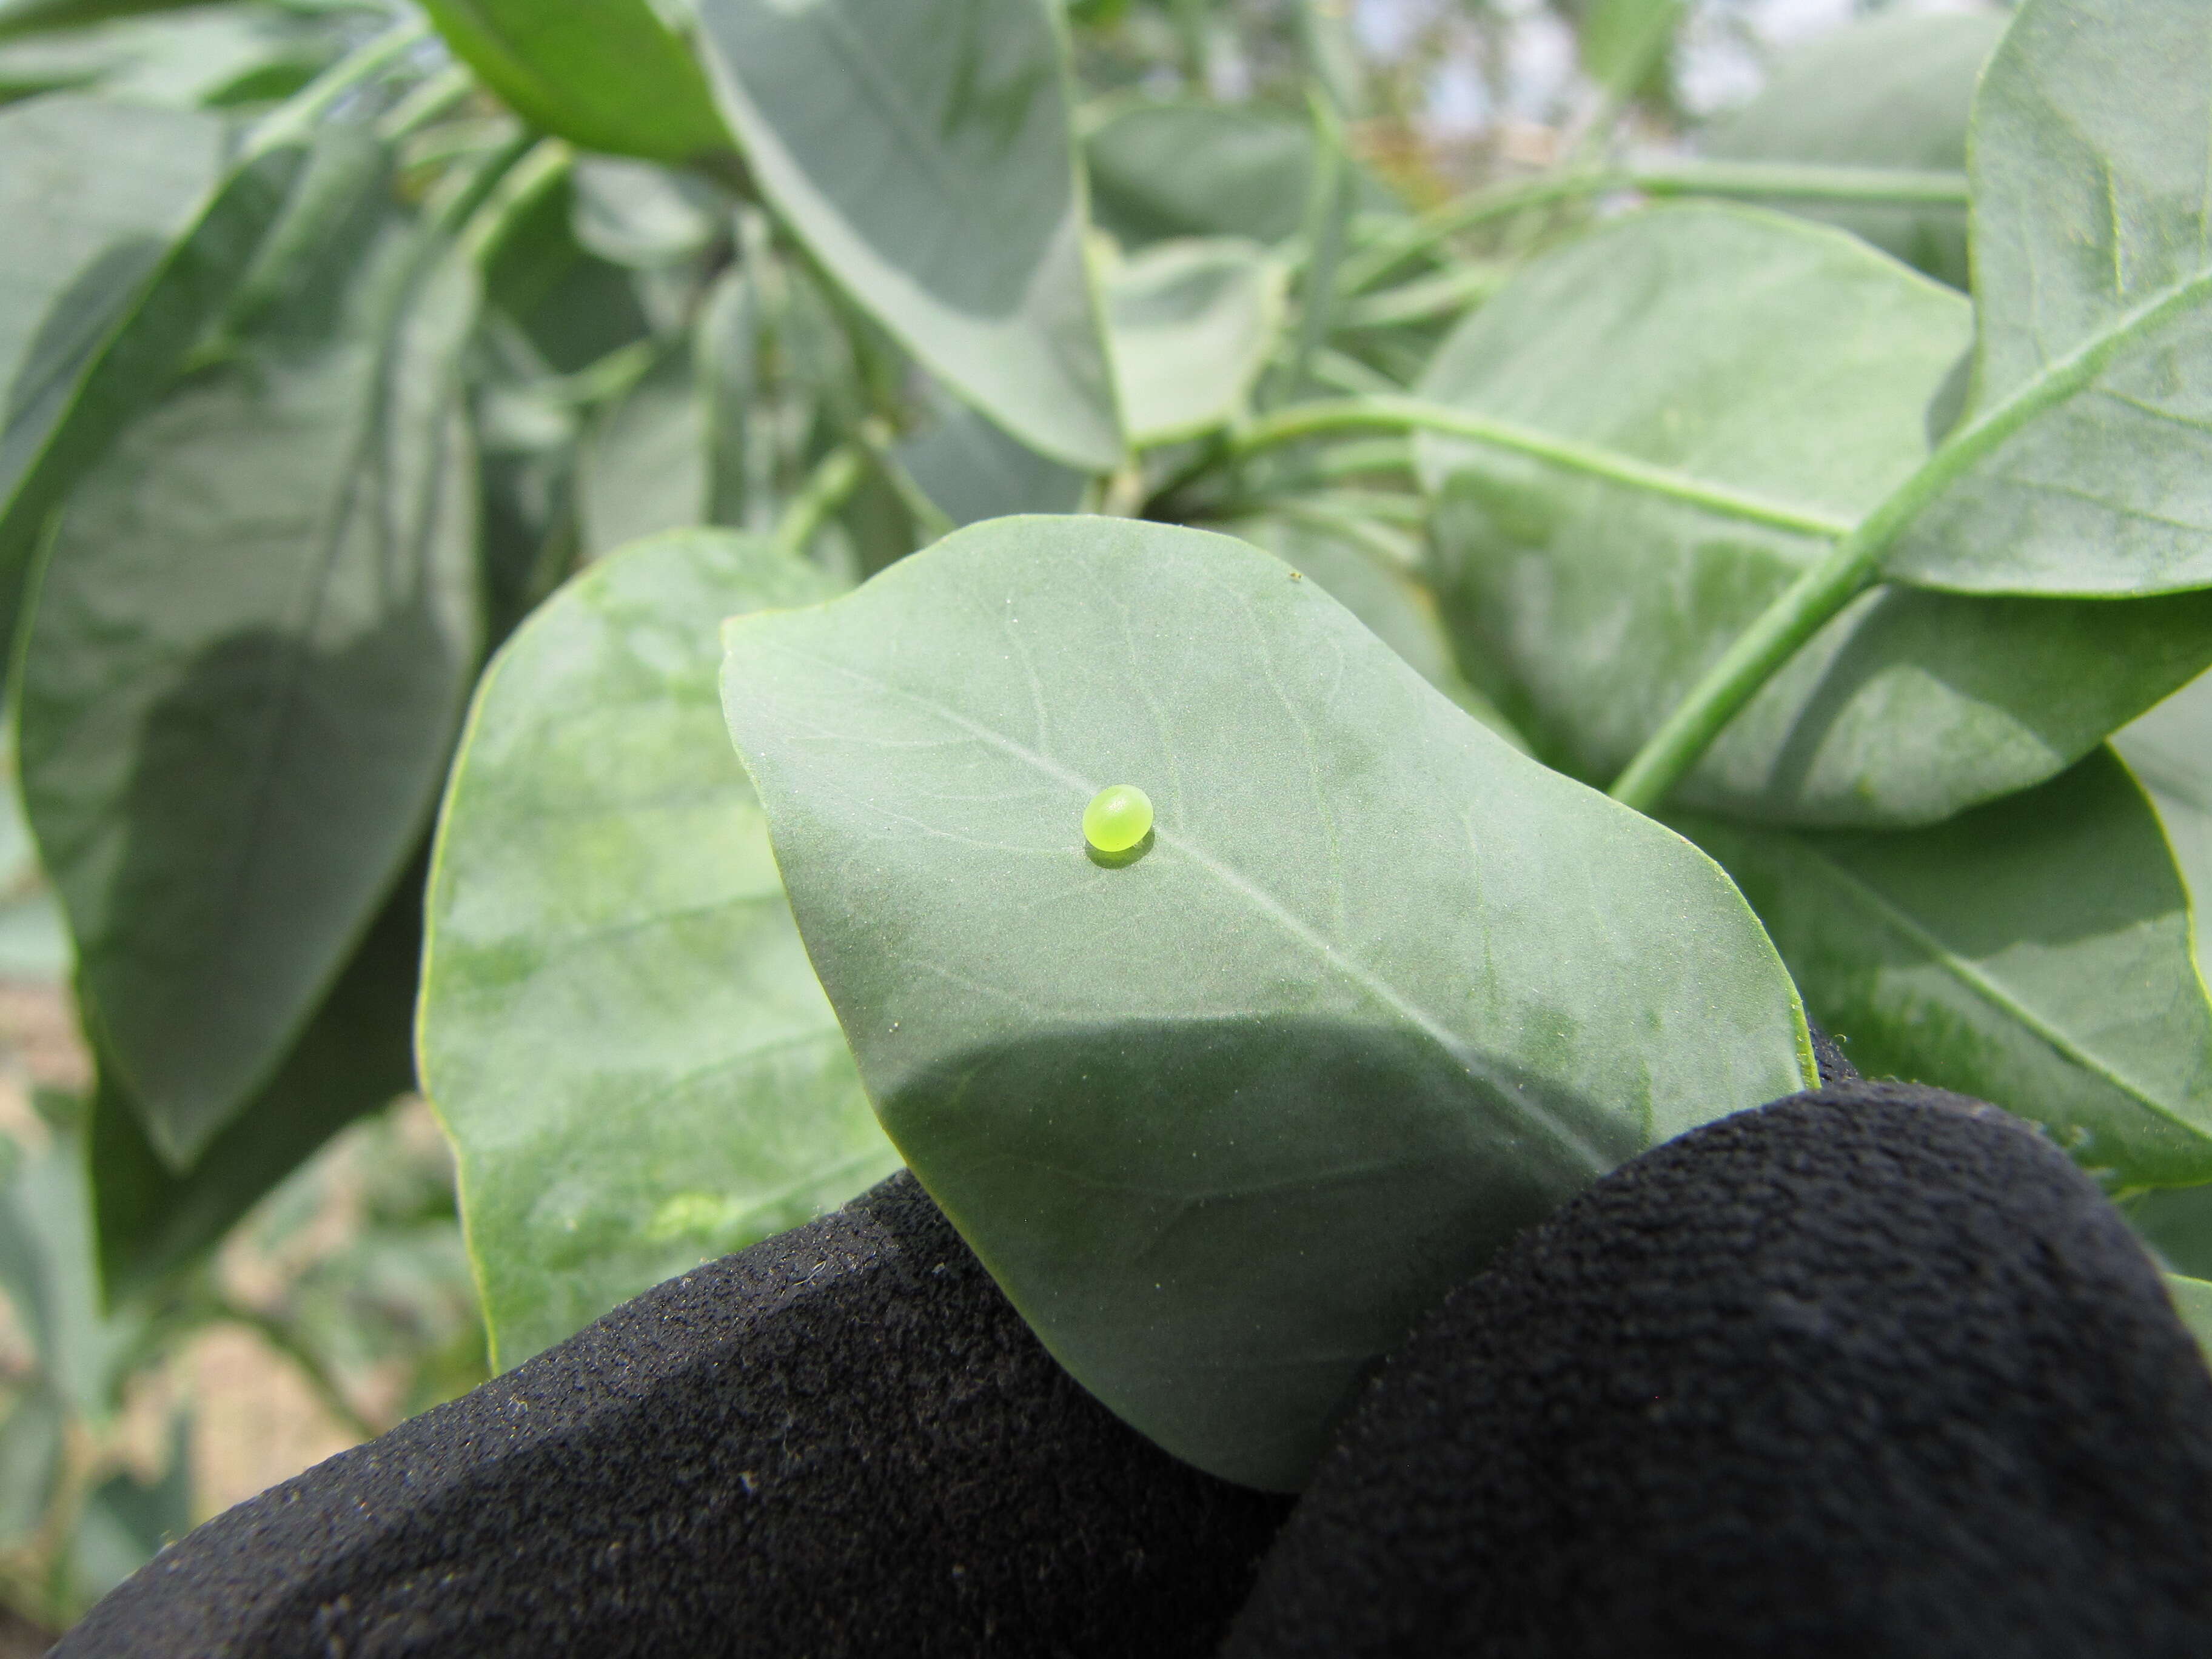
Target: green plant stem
x=1381 y=414
x=833 y=481
x=930 y=519
x=1753 y=180
x=426 y=103
x=296 y=117
x=1803 y=609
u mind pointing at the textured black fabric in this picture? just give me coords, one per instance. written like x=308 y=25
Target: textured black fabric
x=1835 y=1068
x=1872 y=1371
x=842 y=1442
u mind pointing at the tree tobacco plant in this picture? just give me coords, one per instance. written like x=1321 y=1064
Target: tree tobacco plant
x=1551 y=642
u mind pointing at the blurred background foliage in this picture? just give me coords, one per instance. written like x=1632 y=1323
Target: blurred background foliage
x=652 y=353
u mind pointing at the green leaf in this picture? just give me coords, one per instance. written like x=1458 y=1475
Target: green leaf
x=619 y=1025
x=31 y=1441
x=1223 y=1118
x=1891 y=90
x=1193 y=325
x=354 y=1056
x=126 y=1520
x=46 y=1269
x=2034 y=952
x=642 y=466
x=611 y=75
x=2192 y=1300
x=1393 y=603
x=1789 y=367
x=2085 y=464
x=255 y=626
x=29 y=16
x=974 y=470
x=1172 y=169
x=1624 y=44
x=925 y=155
x=93 y=193
x=635 y=213
x=211 y=55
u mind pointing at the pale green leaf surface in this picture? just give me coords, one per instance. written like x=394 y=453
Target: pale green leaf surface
x=255 y=626
x=610 y=75
x=1394 y=606
x=974 y=470
x=31 y=17
x=1224 y=1117
x=2170 y=749
x=207 y=54
x=924 y=154
x=1192 y=323
x=1785 y=361
x=2034 y=952
x=642 y=466
x=1891 y=90
x=2192 y=1300
x=635 y=214
x=619 y=1025
x=2085 y=464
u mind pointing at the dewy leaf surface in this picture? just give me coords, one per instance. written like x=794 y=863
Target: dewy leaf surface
x=1193 y=323
x=610 y=76
x=2085 y=465
x=255 y=625
x=925 y=153
x=619 y=1025
x=1379 y=992
x=1786 y=361
x=2034 y=952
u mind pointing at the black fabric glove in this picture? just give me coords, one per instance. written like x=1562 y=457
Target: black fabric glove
x=842 y=1442
x=1873 y=1371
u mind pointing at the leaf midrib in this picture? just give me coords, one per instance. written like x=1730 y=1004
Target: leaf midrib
x=1988 y=989
x=1265 y=904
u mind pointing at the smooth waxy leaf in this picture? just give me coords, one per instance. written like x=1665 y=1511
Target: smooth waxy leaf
x=354 y=1056
x=2170 y=751
x=93 y=192
x=925 y=155
x=254 y=628
x=2192 y=1300
x=2034 y=952
x=1192 y=323
x=974 y=470
x=610 y=75
x=1891 y=90
x=643 y=467
x=214 y=55
x=619 y=1025
x=2085 y=463
x=1221 y=1115
x=1200 y=169
x=1396 y=608
x=1787 y=368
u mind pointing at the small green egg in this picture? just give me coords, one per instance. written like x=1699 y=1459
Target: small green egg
x=1118 y=817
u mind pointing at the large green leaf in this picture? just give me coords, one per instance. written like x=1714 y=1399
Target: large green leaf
x=2170 y=749
x=973 y=469
x=1192 y=323
x=2085 y=464
x=29 y=16
x=255 y=625
x=2034 y=952
x=245 y=51
x=619 y=1025
x=643 y=467
x=93 y=192
x=610 y=75
x=354 y=1056
x=1197 y=169
x=1891 y=90
x=1789 y=366
x=2192 y=1300
x=924 y=154
x=1379 y=991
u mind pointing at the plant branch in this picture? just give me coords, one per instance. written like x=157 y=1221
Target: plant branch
x=1383 y=414
x=828 y=488
x=1752 y=180
x=298 y=116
